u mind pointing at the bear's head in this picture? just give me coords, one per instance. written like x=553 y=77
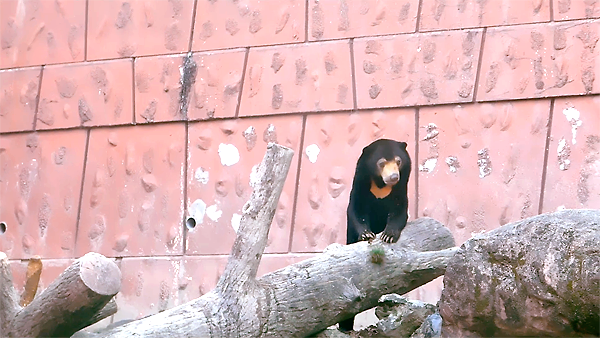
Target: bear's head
x=386 y=161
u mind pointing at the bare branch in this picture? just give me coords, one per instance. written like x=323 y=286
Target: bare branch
x=108 y=310
x=310 y=295
x=256 y=220
x=65 y=307
x=9 y=300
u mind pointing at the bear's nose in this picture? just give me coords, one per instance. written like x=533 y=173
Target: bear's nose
x=394 y=178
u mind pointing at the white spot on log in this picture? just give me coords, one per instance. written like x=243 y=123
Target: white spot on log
x=197 y=211
x=429 y=165
x=235 y=221
x=214 y=213
x=201 y=175
x=561 y=207
x=229 y=154
x=572 y=116
x=312 y=151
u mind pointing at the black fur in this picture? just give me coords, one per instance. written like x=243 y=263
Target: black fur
x=368 y=215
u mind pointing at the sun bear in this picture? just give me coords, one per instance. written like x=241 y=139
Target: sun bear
x=378 y=199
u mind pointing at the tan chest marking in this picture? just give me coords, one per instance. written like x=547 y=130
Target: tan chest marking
x=380 y=192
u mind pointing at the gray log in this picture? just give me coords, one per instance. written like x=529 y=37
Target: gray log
x=536 y=277
x=69 y=302
x=9 y=300
x=308 y=296
x=302 y=298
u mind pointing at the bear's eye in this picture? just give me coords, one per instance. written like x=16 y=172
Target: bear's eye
x=398 y=160
x=381 y=163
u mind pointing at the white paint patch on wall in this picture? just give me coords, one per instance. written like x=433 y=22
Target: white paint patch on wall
x=429 y=165
x=214 y=213
x=572 y=116
x=229 y=154
x=197 y=211
x=452 y=162
x=563 y=152
x=312 y=151
x=201 y=175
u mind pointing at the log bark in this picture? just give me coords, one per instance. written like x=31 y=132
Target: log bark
x=307 y=297
x=68 y=304
x=9 y=300
x=303 y=298
x=536 y=277
x=108 y=310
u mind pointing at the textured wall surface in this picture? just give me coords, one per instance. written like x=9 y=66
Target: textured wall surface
x=131 y=128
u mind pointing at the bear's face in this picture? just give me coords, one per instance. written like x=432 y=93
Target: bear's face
x=386 y=162
x=389 y=170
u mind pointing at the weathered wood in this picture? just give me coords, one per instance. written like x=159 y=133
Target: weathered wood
x=108 y=310
x=316 y=293
x=305 y=297
x=32 y=280
x=9 y=300
x=69 y=302
x=251 y=240
x=311 y=295
x=292 y=302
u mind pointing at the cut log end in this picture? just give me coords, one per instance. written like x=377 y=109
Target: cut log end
x=100 y=274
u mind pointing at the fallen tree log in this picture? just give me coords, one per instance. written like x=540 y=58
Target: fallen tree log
x=536 y=277
x=73 y=301
x=303 y=298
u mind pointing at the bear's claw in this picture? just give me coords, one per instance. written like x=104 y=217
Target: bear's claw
x=389 y=238
x=367 y=236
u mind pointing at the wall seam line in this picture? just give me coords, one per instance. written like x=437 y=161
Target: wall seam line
x=297 y=183
x=79 y=207
x=353 y=75
x=546 y=155
x=479 y=63
x=419 y=13
x=416 y=163
x=85 y=38
x=191 y=43
x=37 y=100
x=242 y=80
x=185 y=189
x=133 y=90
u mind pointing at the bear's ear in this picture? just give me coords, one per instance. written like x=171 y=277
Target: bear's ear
x=403 y=145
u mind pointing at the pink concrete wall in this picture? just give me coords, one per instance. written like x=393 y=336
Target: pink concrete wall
x=120 y=119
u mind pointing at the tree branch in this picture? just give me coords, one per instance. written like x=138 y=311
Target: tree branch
x=9 y=300
x=252 y=234
x=311 y=295
x=67 y=305
x=108 y=310
x=292 y=302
